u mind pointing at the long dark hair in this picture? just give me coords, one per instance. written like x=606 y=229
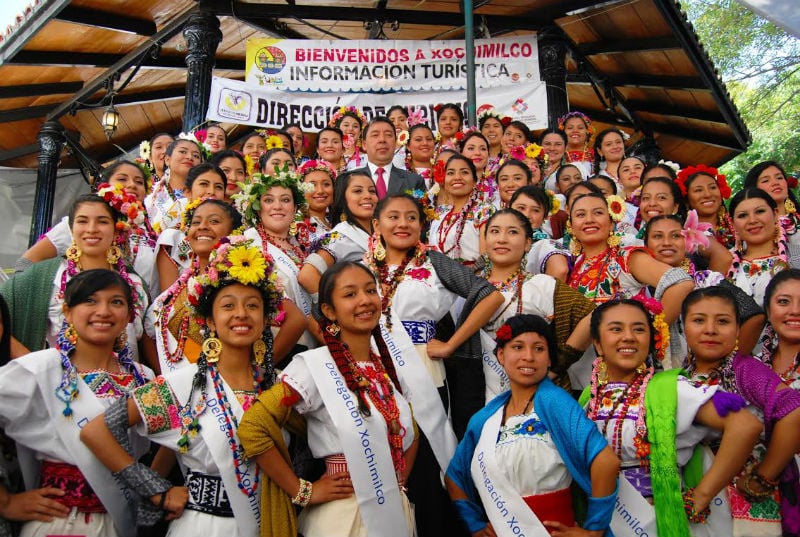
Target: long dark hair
x=339 y=208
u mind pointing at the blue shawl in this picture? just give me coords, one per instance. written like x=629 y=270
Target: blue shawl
x=576 y=438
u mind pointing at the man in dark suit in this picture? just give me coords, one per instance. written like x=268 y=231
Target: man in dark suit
x=379 y=140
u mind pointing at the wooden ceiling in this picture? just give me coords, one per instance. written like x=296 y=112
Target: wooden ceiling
x=635 y=64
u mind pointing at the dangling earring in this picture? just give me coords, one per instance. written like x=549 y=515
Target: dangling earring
x=71 y=334
x=602 y=372
x=613 y=240
x=259 y=351
x=74 y=253
x=121 y=341
x=776 y=237
x=293 y=229
x=736 y=347
x=113 y=254
x=212 y=348
x=641 y=368
x=575 y=246
x=379 y=252
x=333 y=329
x=343 y=218
x=789 y=206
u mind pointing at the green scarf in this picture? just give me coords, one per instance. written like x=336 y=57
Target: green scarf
x=661 y=405
x=28 y=297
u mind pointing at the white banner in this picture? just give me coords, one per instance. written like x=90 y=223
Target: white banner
x=382 y=66
x=237 y=102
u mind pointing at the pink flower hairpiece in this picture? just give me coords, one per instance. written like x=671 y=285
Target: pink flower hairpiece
x=517 y=153
x=694 y=232
x=416 y=116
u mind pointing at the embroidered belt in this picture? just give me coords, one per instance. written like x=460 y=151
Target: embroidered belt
x=207 y=495
x=556 y=506
x=420 y=332
x=335 y=464
x=78 y=493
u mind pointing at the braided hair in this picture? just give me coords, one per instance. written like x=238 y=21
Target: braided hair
x=338 y=349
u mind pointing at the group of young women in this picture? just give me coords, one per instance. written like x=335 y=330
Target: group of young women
x=580 y=342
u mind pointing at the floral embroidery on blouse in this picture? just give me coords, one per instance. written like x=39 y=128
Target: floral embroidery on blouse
x=610 y=394
x=158 y=406
x=597 y=278
x=532 y=426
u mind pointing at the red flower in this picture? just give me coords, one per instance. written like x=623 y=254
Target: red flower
x=420 y=273
x=506 y=121
x=460 y=135
x=437 y=107
x=503 y=334
x=438 y=172
x=791 y=181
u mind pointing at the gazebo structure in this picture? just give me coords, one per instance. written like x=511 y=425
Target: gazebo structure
x=633 y=64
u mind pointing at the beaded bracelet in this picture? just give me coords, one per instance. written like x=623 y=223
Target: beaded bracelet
x=303 y=495
x=751 y=495
x=763 y=481
x=692 y=514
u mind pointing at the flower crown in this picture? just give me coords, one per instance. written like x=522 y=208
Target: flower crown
x=315 y=165
x=493 y=112
x=670 y=164
x=130 y=209
x=188 y=211
x=617 y=207
x=236 y=259
x=347 y=110
x=686 y=173
x=248 y=200
x=656 y=309
x=204 y=148
x=562 y=121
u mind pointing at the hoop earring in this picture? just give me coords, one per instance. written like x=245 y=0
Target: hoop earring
x=259 y=351
x=113 y=254
x=212 y=348
x=74 y=253
x=333 y=329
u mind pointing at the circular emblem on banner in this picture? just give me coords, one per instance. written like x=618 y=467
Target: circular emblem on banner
x=484 y=108
x=270 y=60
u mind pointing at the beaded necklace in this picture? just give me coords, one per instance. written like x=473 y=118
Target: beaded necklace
x=295 y=253
x=232 y=425
x=514 y=282
x=458 y=221
x=769 y=344
x=167 y=304
x=389 y=280
x=381 y=393
x=724 y=230
x=633 y=394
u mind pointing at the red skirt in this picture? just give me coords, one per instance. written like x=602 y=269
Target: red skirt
x=553 y=506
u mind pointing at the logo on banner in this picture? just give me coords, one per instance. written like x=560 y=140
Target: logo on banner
x=270 y=60
x=234 y=104
x=519 y=106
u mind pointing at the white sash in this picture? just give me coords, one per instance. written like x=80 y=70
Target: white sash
x=496 y=378
x=357 y=235
x=507 y=511
x=115 y=497
x=287 y=266
x=365 y=446
x=634 y=515
x=420 y=391
x=212 y=429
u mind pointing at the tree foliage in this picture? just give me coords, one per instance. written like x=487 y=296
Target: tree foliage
x=760 y=64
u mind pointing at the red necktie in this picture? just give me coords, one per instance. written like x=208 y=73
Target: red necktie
x=380 y=184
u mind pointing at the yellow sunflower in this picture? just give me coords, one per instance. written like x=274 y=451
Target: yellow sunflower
x=274 y=141
x=533 y=150
x=247 y=265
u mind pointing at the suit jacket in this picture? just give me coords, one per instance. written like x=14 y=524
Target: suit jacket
x=400 y=180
